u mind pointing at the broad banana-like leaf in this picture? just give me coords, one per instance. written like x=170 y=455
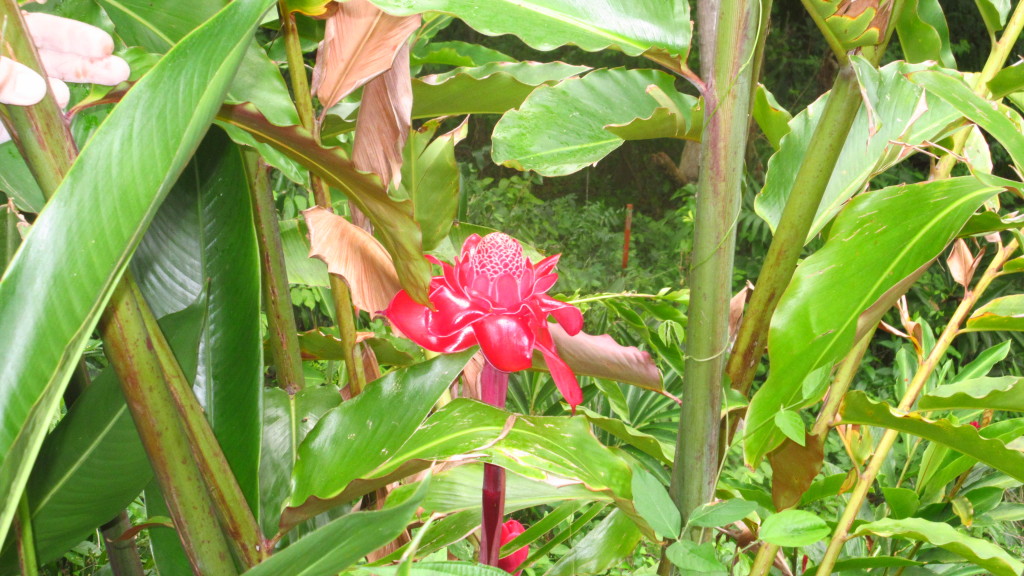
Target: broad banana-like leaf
x=880 y=239
x=53 y=291
x=635 y=28
x=564 y=128
x=924 y=34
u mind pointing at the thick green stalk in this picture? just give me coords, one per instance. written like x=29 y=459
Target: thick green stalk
x=129 y=346
x=340 y=293
x=127 y=357
x=924 y=371
x=284 y=342
x=726 y=61
x=840 y=384
x=764 y=559
x=787 y=243
x=237 y=518
x=40 y=131
x=123 y=554
x=26 y=539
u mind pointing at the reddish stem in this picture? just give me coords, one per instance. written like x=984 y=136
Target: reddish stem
x=493 y=389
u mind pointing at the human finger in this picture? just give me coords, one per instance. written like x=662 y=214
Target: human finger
x=61 y=93
x=109 y=70
x=19 y=84
x=58 y=34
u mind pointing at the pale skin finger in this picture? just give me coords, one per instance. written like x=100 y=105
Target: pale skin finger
x=19 y=85
x=109 y=70
x=58 y=34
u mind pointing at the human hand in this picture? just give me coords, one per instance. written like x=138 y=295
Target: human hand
x=70 y=51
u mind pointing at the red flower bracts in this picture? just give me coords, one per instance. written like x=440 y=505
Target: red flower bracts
x=511 y=563
x=495 y=297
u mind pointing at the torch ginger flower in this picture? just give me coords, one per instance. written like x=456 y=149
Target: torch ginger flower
x=495 y=297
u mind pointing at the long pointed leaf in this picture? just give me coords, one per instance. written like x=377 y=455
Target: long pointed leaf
x=54 y=289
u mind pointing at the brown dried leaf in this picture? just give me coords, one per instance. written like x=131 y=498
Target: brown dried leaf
x=794 y=467
x=356 y=256
x=360 y=42
x=962 y=264
x=736 y=305
x=603 y=357
x=384 y=120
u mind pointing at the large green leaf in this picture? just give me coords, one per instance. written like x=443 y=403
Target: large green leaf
x=605 y=546
x=561 y=129
x=1006 y=313
x=356 y=437
x=54 y=289
x=949 y=86
x=634 y=28
x=880 y=239
x=393 y=220
x=1005 y=393
x=975 y=550
x=203 y=238
x=924 y=34
x=154 y=27
x=859 y=409
x=343 y=542
x=16 y=180
x=793 y=528
x=430 y=176
x=287 y=419
x=879 y=138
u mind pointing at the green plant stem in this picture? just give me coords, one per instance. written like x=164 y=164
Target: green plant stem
x=764 y=559
x=726 y=59
x=237 y=518
x=340 y=293
x=130 y=343
x=924 y=371
x=27 y=560
x=129 y=346
x=284 y=341
x=788 y=242
x=40 y=131
x=123 y=554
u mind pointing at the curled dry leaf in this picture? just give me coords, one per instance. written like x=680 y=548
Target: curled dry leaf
x=353 y=254
x=603 y=357
x=743 y=536
x=360 y=42
x=962 y=264
x=794 y=467
x=384 y=120
x=736 y=305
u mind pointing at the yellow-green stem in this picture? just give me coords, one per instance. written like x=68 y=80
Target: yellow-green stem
x=26 y=539
x=840 y=384
x=122 y=552
x=764 y=559
x=924 y=371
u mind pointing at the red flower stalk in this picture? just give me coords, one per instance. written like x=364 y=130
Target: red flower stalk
x=511 y=563
x=495 y=297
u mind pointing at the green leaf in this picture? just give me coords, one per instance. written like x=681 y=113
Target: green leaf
x=203 y=236
x=1007 y=81
x=563 y=128
x=430 y=176
x=17 y=182
x=363 y=433
x=879 y=239
x=147 y=24
x=694 y=559
x=655 y=505
x=770 y=116
x=287 y=420
x=436 y=569
x=647 y=443
x=988 y=222
x=902 y=501
x=975 y=550
x=924 y=34
x=852 y=26
x=301 y=268
x=79 y=262
x=878 y=139
x=717 y=514
x=984 y=362
x=1006 y=313
x=994 y=13
x=493 y=88
x=455 y=53
x=792 y=425
x=613 y=539
x=392 y=220
x=949 y=86
x=859 y=409
x=793 y=528
x=343 y=542
x=1005 y=393
x=640 y=26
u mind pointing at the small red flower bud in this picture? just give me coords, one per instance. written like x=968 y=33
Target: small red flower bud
x=511 y=563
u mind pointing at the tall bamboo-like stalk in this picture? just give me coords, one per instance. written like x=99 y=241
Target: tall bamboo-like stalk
x=729 y=36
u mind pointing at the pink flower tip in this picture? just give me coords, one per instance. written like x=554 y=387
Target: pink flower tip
x=494 y=297
x=976 y=424
x=511 y=563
